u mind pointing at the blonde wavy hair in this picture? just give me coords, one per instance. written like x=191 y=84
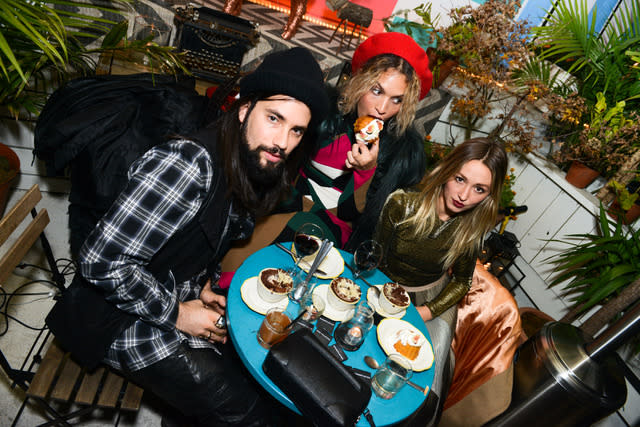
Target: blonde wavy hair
x=367 y=77
x=476 y=222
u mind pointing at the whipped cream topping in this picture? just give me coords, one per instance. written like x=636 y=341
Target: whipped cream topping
x=346 y=289
x=409 y=337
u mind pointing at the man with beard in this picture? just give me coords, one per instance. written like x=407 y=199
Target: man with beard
x=155 y=254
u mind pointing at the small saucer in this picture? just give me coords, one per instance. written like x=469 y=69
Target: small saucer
x=332 y=265
x=373 y=301
x=329 y=311
x=386 y=332
x=249 y=294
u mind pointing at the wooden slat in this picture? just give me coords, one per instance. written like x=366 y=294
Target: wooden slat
x=132 y=397
x=67 y=380
x=89 y=387
x=110 y=391
x=22 y=245
x=18 y=212
x=46 y=372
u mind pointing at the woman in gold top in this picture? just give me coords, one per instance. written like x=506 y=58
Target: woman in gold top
x=432 y=238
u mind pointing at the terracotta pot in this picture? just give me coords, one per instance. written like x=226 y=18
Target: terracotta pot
x=14 y=163
x=581 y=175
x=629 y=216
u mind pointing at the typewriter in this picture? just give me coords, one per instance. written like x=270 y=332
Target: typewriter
x=213 y=42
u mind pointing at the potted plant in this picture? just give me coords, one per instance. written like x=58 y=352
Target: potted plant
x=626 y=204
x=600 y=64
x=608 y=144
x=495 y=78
x=49 y=42
x=9 y=168
x=602 y=269
x=441 y=63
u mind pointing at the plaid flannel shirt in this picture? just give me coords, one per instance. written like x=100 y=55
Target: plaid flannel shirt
x=166 y=188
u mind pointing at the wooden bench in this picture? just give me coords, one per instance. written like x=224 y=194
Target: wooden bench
x=60 y=378
x=55 y=376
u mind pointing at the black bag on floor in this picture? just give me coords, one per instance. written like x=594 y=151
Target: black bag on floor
x=322 y=388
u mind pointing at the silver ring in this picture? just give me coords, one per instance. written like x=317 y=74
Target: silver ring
x=209 y=337
x=221 y=323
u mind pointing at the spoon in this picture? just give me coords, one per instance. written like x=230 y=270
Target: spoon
x=373 y=364
x=284 y=248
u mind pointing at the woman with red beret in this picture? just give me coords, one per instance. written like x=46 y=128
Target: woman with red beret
x=345 y=183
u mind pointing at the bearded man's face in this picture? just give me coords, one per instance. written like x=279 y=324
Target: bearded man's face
x=272 y=129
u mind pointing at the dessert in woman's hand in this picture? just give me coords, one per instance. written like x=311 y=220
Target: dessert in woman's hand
x=408 y=343
x=368 y=130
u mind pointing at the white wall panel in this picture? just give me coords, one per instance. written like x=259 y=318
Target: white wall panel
x=577 y=222
x=537 y=202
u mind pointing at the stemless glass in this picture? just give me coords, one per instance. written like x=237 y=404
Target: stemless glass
x=367 y=256
x=307 y=241
x=391 y=376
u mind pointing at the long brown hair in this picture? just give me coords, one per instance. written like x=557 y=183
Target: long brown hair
x=366 y=78
x=256 y=198
x=476 y=222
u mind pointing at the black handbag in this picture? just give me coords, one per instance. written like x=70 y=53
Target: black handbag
x=322 y=388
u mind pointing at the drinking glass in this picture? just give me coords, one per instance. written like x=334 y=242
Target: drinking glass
x=352 y=333
x=307 y=241
x=391 y=376
x=273 y=328
x=367 y=256
x=313 y=306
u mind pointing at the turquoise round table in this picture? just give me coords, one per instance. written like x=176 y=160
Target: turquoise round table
x=244 y=323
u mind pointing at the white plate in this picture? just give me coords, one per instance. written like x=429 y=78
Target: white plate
x=332 y=264
x=250 y=296
x=386 y=330
x=329 y=311
x=373 y=301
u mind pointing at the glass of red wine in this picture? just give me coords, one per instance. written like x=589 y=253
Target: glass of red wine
x=307 y=241
x=367 y=256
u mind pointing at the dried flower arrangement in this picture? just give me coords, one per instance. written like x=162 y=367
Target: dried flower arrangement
x=490 y=44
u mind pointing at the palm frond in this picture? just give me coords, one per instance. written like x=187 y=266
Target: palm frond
x=44 y=42
x=600 y=266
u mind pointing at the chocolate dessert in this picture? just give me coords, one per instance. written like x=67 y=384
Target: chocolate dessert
x=346 y=289
x=276 y=280
x=396 y=294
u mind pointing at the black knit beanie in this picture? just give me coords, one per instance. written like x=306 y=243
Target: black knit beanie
x=293 y=72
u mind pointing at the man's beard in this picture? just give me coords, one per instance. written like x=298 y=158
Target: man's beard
x=258 y=174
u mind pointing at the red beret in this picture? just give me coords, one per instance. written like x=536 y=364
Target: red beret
x=398 y=44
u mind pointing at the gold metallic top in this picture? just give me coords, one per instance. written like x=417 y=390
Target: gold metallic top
x=416 y=261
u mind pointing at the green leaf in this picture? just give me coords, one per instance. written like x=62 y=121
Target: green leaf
x=116 y=35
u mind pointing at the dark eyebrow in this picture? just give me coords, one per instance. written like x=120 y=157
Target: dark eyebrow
x=275 y=113
x=281 y=117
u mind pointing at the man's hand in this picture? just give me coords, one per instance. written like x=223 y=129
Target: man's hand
x=198 y=320
x=216 y=302
x=362 y=158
